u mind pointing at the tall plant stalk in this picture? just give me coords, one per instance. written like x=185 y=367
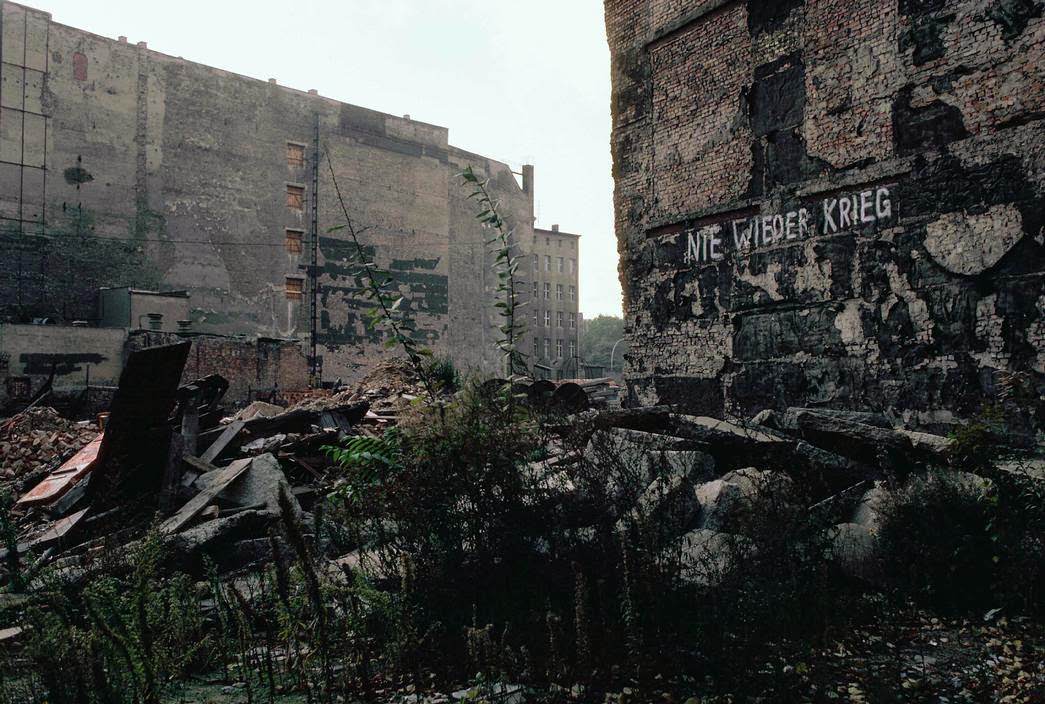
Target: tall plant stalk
x=506 y=266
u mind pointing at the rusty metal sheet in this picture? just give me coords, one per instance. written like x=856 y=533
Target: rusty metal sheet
x=66 y=476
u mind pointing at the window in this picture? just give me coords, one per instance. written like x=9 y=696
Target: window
x=573 y=293
x=536 y=262
x=536 y=291
x=295 y=197
x=80 y=66
x=558 y=292
x=547 y=318
x=558 y=244
x=558 y=349
x=536 y=347
x=573 y=264
x=562 y=265
x=547 y=291
x=295 y=155
x=547 y=262
x=573 y=321
x=573 y=349
x=558 y=319
x=295 y=241
x=295 y=288
x=547 y=348
x=535 y=314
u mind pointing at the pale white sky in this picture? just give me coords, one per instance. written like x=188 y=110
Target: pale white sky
x=522 y=81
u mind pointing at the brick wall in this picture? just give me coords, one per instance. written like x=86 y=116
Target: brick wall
x=253 y=367
x=728 y=113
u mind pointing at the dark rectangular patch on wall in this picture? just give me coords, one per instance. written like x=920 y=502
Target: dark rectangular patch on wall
x=764 y=16
x=693 y=395
x=778 y=95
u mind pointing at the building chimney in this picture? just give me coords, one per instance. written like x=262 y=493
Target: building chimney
x=527 y=186
x=123 y=39
x=143 y=45
x=272 y=80
x=555 y=228
x=313 y=91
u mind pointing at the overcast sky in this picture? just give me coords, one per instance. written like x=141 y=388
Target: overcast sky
x=522 y=81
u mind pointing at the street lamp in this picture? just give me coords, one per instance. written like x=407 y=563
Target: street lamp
x=614 y=351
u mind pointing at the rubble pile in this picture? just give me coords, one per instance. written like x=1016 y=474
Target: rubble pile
x=36 y=439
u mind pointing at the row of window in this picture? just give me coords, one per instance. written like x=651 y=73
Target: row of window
x=548 y=348
x=564 y=265
x=560 y=317
x=559 y=291
x=558 y=242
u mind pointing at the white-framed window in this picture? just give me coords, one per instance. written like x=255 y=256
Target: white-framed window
x=536 y=347
x=547 y=348
x=558 y=292
x=573 y=265
x=558 y=349
x=547 y=262
x=573 y=349
x=547 y=291
x=536 y=320
x=536 y=288
x=573 y=293
x=536 y=262
x=562 y=264
x=573 y=321
x=558 y=319
x=547 y=318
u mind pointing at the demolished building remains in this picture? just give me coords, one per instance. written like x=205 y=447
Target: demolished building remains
x=830 y=203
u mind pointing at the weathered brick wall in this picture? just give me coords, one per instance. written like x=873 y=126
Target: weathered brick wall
x=163 y=173
x=761 y=122
x=253 y=367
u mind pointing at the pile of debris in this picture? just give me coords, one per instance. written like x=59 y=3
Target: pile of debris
x=697 y=482
x=36 y=439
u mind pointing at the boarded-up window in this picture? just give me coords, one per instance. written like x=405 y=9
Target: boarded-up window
x=295 y=241
x=295 y=288
x=295 y=155
x=79 y=66
x=296 y=197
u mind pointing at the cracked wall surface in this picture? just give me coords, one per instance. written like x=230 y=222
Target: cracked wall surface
x=123 y=166
x=830 y=202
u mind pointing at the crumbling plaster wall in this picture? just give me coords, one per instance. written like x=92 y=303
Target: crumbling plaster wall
x=726 y=111
x=163 y=173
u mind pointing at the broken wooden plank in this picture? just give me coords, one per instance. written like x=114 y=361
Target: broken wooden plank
x=66 y=476
x=199 y=464
x=219 y=445
x=199 y=502
x=57 y=531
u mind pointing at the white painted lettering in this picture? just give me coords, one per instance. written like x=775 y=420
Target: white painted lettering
x=845 y=207
x=778 y=228
x=790 y=226
x=741 y=238
x=803 y=222
x=865 y=207
x=715 y=254
x=829 y=220
x=883 y=206
x=692 y=254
